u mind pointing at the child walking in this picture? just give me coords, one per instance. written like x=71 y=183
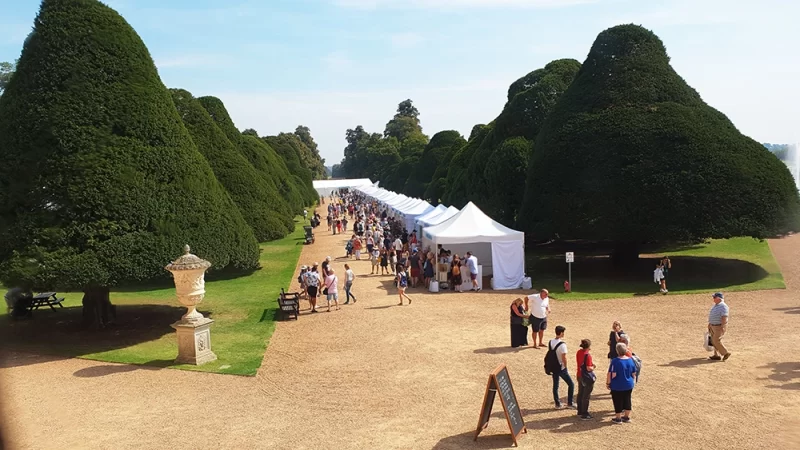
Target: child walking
x=375 y=254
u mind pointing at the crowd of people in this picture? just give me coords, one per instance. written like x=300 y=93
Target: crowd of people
x=624 y=366
x=392 y=250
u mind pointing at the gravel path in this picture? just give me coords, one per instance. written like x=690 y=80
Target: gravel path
x=379 y=376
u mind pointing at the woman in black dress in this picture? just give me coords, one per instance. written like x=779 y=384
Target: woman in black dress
x=519 y=331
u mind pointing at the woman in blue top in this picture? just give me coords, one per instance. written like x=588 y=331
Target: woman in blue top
x=620 y=380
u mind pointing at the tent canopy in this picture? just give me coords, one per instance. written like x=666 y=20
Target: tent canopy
x=327 y=187
x=499 y=249
x=471 y=224
x=439 y=218
x=432 y=213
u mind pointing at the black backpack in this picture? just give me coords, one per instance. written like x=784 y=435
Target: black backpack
x=551 y=363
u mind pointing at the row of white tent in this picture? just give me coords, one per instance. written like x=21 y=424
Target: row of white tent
x=499 y=249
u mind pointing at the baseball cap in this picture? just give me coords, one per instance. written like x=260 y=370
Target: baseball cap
x=719 y=294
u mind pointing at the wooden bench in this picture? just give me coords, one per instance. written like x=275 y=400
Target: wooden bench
x=289 y=304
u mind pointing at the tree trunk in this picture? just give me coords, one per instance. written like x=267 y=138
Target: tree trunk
x=98 y=312
x=625 y=254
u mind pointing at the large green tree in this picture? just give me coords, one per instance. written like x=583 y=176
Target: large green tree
x=632 y=154
x=310 y=156
x=248 y=190
x=100 y=183
x=491 y=172
x=266 y=162
x=438 y=151
x=291 y=149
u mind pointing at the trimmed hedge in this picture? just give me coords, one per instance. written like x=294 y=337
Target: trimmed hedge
x=247 y=189
x=279 y=193
x=100 y=183
x=631 y=154
x=485 y=175
x=441 y=148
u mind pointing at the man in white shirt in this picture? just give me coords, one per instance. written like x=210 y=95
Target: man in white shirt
x=539 y=309
x=398 y=245
x=561 y=352
x=472 y=264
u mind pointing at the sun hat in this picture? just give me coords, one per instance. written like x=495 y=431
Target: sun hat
x=719 y=295
x=327 y=258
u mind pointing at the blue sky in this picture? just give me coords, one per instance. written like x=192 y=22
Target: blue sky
x=335 y=64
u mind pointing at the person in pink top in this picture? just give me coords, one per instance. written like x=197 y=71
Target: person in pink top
x=331 y=285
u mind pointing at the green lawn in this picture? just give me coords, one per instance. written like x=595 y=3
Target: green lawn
x=738 y=264
x=243 y=309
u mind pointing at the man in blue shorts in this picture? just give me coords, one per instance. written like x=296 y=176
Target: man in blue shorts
x=539 y=307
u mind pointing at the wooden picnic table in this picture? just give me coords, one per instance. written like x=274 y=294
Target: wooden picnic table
x=46 y=299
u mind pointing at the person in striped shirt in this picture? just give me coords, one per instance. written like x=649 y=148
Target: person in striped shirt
x=717 y=326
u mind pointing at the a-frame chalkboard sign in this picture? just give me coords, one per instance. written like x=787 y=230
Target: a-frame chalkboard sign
x=499 y=381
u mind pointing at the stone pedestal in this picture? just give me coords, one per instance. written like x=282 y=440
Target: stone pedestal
x=194 y=341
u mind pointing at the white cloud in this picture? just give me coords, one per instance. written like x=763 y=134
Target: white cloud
x=406 y=40
x=445 y=4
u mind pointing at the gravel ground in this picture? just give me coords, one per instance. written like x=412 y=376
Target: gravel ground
x=379 y=376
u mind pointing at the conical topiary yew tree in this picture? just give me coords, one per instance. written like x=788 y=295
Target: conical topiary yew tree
x=495 y=166
x=266 y=165
x=100 y=183
x=632 y=154
x=246 y=188
x=442 y=146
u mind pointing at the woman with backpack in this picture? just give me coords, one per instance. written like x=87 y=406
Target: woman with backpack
x=402 y=284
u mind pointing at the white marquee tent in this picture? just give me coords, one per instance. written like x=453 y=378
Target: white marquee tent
x=434 y=212
x=435 y=219
x=328 y=187
x=499 y=249
x=407 y=207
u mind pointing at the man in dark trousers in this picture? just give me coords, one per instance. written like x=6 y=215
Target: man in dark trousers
x=560 y=347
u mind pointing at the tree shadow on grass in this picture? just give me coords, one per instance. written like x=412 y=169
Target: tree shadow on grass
x=784 y=372
x=597 y=274
x=60 y=332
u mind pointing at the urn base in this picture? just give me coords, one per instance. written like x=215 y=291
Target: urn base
x=194 y=342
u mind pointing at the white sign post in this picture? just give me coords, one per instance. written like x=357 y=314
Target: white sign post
x=570 y=257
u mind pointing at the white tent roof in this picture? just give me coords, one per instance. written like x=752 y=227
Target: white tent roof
x=344 y=183
x=441 y=217
x=432 y=213
x=471 y=225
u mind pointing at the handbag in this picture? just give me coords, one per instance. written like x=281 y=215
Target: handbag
x=708 y=343
x=526 y=322
x=587 y=376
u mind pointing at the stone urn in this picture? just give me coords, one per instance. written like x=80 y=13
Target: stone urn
x=193 y=330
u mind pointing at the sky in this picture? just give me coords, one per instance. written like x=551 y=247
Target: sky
x=335 y=64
